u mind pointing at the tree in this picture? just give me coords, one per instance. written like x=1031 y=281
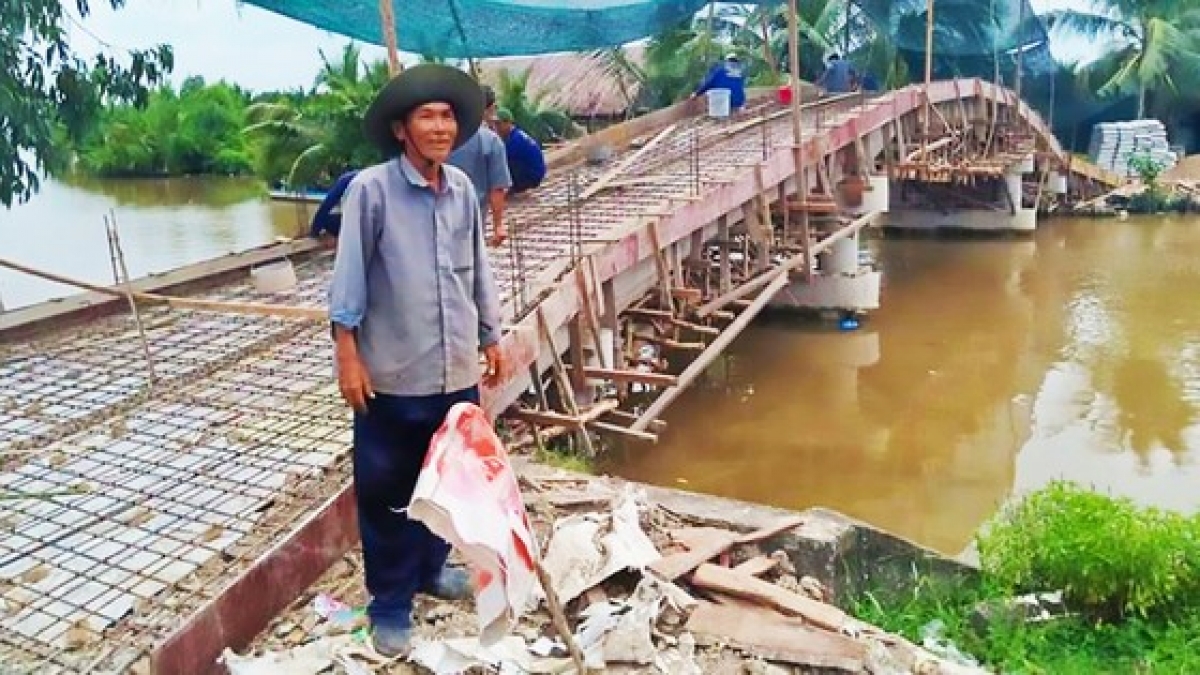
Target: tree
x=530 y=112
x=47 y=91
x=310 y=140
x=1157 y=45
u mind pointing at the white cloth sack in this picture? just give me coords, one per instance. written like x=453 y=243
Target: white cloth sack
x=468 y=494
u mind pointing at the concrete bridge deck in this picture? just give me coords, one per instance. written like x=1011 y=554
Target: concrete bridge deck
x=147 y=524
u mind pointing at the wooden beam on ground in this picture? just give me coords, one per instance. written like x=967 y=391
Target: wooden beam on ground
x=725 y=580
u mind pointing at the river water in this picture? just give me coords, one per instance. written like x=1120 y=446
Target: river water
x=162 y=224
x=992 y=367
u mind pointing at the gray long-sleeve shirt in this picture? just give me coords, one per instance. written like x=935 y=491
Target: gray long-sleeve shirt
x=412 y=276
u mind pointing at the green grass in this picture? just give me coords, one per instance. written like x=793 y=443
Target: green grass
x=1131 y=577
x=1168 y=644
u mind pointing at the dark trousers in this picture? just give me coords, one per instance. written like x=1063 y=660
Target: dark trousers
x=523 y=184
x=400 y=556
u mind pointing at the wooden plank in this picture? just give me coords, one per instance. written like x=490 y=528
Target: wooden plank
x=673 y=566
x=773 y=637
x=725 y=580
x=548 y=418
x=654 y=379
x=775 y=529
x=756 y=566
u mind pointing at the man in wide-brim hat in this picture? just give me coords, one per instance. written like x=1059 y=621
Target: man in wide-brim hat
x=413 y=301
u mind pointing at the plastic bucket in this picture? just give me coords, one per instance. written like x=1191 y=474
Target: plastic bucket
x=273 y=277
x=718 y=102
x=785 y=94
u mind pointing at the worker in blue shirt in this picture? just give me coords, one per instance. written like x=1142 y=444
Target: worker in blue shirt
x=839 y=76
x=729 y=74
x=526 y=163
x=328 y=218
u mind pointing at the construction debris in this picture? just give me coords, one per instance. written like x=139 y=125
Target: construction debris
x=646 y=591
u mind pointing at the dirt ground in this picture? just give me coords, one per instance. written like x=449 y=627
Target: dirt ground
x=776 y=600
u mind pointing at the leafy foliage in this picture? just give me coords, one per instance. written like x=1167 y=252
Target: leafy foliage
x=1157 y=45
x=1107 y=555
x=309 y=139
x=1131 y=576
x=195 y=131
x=544 y=123
x=49 y=94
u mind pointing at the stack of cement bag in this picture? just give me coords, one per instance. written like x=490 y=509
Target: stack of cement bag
x=1113 y=143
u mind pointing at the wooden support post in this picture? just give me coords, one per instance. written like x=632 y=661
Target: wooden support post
x=805 y=231
x=578 y=359
x=535 y=378
x=660 y=262
x=723 y=234
x=387 y=21
x=589 y=312
x=612 y=321
x=561 y=378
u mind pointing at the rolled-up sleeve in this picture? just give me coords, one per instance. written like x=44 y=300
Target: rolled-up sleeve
x=487 y=292
x=356 y=247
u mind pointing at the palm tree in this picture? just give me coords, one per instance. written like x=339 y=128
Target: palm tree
x=1157 y=45
x=543 y=122
x=311 y=139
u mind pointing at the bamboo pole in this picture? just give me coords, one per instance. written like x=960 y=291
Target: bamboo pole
x=315 y=314
x=928 y=76
x=794 y=66
x=387 y=21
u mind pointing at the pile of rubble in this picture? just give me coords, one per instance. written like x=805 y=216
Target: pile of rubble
x=645 y=590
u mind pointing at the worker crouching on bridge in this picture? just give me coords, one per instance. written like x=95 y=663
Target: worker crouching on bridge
x=413 y=300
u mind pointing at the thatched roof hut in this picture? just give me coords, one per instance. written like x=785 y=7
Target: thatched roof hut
x=585 y=85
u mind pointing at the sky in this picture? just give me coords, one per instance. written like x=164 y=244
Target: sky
x=259 y=50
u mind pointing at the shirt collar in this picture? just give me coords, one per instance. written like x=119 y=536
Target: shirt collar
x=415 y=178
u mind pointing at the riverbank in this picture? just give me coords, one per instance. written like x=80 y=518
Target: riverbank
x=767 y=602
x=734 y=587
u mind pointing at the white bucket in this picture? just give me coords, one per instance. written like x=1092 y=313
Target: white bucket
x=273 y=277
x=718 y=102
x=1058 y=183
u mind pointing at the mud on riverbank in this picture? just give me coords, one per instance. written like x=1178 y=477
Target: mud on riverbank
x=738 y=588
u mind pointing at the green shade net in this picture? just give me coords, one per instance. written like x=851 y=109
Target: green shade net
x=967 y=31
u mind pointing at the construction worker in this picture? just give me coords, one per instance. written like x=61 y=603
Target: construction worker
x=526 y=162
x=482 y=156
x=412 y=301
x=839 y=76
x=728 y=74
x=328 y=218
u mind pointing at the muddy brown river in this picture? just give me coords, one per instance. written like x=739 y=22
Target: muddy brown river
x=992 y=367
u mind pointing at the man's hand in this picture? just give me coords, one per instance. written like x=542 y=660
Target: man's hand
x=353 y=379
x=495 y=365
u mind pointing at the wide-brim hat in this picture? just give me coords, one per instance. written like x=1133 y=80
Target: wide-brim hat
x=416 y=86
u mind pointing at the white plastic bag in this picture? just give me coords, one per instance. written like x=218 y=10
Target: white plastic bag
x=468 y=494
